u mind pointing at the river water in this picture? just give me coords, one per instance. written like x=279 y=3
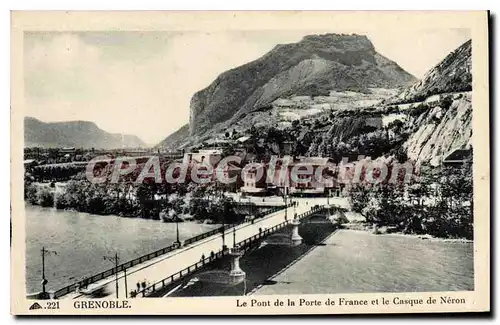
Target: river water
x=80 y=241
x=358 y=261
x=348 y=261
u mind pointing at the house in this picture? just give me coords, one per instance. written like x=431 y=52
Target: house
x=287 y=148
x=67 y=150
x=318 y=182
x=254 y=181
x=231 y=171
x=457 y=157
x=205 y=156
x=433 y=100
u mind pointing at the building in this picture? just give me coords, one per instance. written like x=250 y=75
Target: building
x=68 y=150
x=254 y=181
x=321 y=180
x=232 y=171
x=433 y=100
x=280 y=180
x=203 y=156
x=457 y=157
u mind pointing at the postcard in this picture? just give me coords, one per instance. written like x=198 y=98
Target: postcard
x=249 y=163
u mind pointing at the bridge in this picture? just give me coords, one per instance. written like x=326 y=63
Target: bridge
x=158 y=270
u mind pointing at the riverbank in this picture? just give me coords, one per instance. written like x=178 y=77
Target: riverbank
x=386 y=231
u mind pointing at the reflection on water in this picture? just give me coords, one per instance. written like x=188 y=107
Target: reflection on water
x=81 y=240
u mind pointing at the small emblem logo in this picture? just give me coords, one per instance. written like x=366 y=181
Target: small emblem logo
x=36 y=305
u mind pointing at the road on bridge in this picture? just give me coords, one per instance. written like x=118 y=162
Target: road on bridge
x=162 y=267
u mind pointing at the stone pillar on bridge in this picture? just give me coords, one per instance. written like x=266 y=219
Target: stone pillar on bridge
x=236 y=274
x=296 y=239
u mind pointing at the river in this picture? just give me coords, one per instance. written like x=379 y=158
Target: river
x=80 y=241
x=358 y=261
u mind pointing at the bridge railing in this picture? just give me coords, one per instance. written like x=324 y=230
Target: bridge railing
x=102 y=275
x=244 y=244
x=179 y=275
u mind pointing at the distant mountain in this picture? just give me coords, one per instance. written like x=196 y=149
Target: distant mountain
x=452 y=74
x=315 y=66
x=79 y=134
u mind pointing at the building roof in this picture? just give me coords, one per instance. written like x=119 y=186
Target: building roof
x=243 y=139
x=314 y=160
x=457 y=155
x=210 y=151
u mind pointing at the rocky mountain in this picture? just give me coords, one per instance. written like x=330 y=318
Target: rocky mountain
x=440 y=129
x=426 y=130
x=79 y=134
x=452 y=74
x=445 y=121
x=314 y=66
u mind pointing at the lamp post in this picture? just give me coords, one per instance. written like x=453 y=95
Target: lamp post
x=177 y=230
x=328 y=202
x=286 y=206
x=44 y=280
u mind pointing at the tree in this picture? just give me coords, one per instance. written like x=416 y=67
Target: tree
x=45 y=197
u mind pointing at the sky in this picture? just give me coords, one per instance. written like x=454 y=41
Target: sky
x=141 y=83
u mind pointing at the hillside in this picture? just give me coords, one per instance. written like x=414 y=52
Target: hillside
x=175 y=140
x=425 y=131
x=315 y=66
x=351 y=121
x=439 y=130
x=80 y=134
x=452 y=74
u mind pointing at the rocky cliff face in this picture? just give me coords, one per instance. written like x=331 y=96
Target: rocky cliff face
x=453 y=74
x=314 y=66
x=438 y=131
x=79 y=134
x=442 y=127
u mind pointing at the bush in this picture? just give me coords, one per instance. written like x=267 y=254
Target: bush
x=45 y=197
x=30 y=194
x=450 y=217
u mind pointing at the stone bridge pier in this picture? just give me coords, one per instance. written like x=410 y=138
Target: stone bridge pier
x=236 y=274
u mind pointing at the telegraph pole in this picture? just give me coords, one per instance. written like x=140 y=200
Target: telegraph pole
x=125 y=278
x=115 y=260
x=116 y=273
x=44 y=280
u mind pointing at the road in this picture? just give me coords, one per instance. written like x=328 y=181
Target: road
x=162 y=267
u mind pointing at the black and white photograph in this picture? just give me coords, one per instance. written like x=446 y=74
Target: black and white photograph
x=250 y=164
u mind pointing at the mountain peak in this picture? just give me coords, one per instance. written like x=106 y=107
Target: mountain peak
x=345 y=42
x=452 y=74
x=341 y=62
